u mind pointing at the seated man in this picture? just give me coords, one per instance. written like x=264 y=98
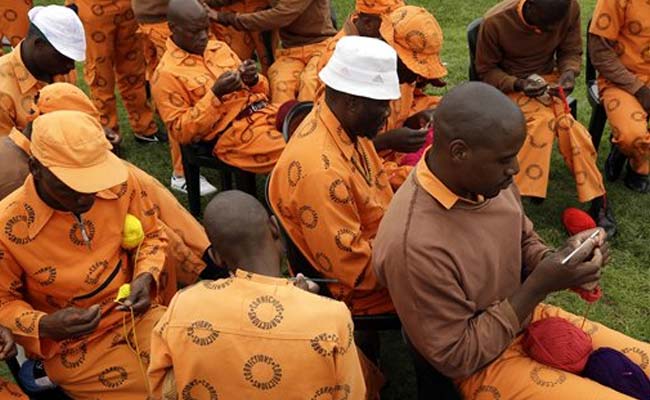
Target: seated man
x=275 y=340
x=530 y=49
x=204 y=93
x=455 y=244
x=13 y=21
x=305 y=27
x=329 y=189
x=620 y=53
x=152 y=22
x=54 y=42
x=64 y=261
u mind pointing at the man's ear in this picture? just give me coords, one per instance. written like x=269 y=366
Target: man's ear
x=274 y=227
x=459 y=151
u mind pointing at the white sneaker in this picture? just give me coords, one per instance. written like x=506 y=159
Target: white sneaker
x=179 y=184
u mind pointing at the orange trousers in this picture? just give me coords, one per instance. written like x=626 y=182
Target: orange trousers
x=154 y=39
x=294 y=74
x=252 y=144
x=107 y=367
x=516 y=376
x=629 y=123
x=114 y=55
x=543 y=125
x=14 y=23
x=11 y=391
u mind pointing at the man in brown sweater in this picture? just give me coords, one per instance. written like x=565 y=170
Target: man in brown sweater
x=464 y=266
x=530 y=49
x=619 y=50
x=304 y=27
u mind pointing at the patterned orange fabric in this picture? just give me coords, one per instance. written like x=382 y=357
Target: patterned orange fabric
x=86 y=267
x=17 y=90
x=294 y=73
x=154 y=38
x=9 y=390
x=330 y=195
x=14 y=22
x=114 y=56
x=628 y=24
x=182 y=89
x=273 y=340
x=543 y=124
x=514 y=375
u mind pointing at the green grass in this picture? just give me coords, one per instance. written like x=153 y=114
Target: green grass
x=626 y=281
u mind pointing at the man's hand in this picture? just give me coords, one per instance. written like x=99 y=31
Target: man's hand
x=140 y=297
x=583 y=268
x=248 y=73
x=7 y=344
x=420 y=120
x=69 y=323
x=228 y=82
x=568 y=83
x=403 y=140
x=531 y=87
x=306 y=284
x=643 y=95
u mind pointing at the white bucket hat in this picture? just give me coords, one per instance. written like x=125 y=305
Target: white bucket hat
x=62 y=28
x=364 y=67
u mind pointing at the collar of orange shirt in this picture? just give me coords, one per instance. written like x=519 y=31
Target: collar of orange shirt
x=336 y=131
x=267 y=280
x=520 y=12
x=20 y=140
x=42 y=212
x=179 y=55
x=26 y=81
x=432 y=185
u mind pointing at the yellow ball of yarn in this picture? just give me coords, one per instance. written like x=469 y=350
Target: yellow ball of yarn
x=133 y=233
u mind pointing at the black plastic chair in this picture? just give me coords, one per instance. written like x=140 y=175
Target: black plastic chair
x=431 y=384
x=198 y=155
x=297 y=114
x=598 y=114
x=472 y=39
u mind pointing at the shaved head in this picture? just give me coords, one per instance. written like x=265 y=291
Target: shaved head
x=545 y=14
x=478 y=134
x=240 y=229
x=189 y=23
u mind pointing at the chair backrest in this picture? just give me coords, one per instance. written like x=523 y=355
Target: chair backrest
x=472 y=38
x=297 y=261
x=333 y=16
x=295 y=117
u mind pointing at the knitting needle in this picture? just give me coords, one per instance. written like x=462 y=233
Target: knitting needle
x=577 y=249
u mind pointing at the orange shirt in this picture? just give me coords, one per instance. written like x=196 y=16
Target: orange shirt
x=255 y=337
x=630 y=27
x=47 y=264
x=330 y=195
x=17 y=90
x=182 y=89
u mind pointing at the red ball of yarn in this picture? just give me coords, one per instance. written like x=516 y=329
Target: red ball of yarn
x=589 y=296
x=575 y=221
x=558 y=343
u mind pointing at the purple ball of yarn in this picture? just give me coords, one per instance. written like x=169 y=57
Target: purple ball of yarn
x=613 y=369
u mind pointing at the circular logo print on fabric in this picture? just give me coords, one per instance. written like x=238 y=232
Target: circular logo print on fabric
x=199 y=389
x=202 y=333
x=113 y=377
x=263 y=372
x=324 y=344
x=547 y=377
x=266 y=312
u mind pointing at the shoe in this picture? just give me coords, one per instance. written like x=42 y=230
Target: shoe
x=158 y=136
x=180 y=185
x=614 y=164
x=635 y=181
x=601 y=212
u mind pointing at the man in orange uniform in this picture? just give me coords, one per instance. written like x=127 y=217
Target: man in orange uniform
x=304 y=28
x=204 y=93
x=278 y=340
x=619 y=50
x=523 y=46
x=58 y=300
x=13 y=20
x=329 y=189
x=115 y=57
x=152 y=19
x=54 y=42
x=187 y=250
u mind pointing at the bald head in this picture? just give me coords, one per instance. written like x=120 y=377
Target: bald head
x=189 y=23
x=240 y=229
x=478 y=114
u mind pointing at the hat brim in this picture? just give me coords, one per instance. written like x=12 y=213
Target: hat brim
x=102 y=176
x=360 y=89
x=431 y=69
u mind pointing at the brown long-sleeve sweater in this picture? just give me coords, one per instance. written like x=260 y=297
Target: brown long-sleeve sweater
x=150 y=11
x=609 y=65
x=450 y=266
x=301 y=22
x=508 y=48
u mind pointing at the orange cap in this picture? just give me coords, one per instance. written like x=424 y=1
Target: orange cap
x=378 y=7
x=417 y=37
x=72 y=145
x=62 y=96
